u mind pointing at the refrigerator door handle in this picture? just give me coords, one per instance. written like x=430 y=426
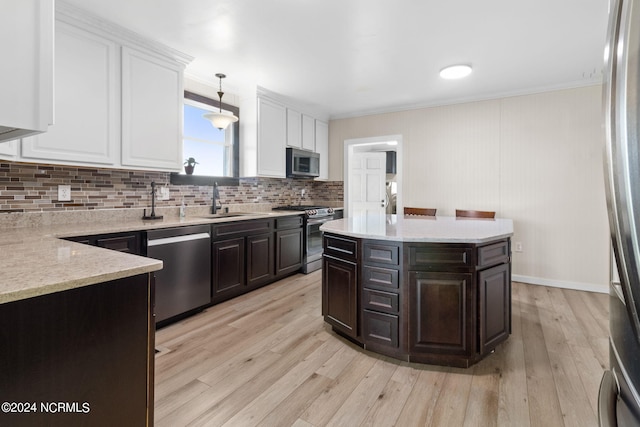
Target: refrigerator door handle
x=607 y=400
x=622 y=83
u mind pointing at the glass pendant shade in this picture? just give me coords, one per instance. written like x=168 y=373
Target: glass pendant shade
x=220 y=120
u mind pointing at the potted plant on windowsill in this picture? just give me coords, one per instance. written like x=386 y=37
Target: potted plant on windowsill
x=189 y=165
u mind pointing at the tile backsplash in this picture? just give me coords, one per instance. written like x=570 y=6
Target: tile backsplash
x=34 y=188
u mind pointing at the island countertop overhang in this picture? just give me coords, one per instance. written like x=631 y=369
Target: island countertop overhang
x=439 y=229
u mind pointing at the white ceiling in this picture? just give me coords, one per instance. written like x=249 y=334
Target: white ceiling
x=350 y=57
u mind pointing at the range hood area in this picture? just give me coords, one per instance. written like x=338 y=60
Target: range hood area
x=26 y=105
x=11 y=133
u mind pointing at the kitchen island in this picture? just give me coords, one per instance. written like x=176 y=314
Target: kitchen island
x=433 y=290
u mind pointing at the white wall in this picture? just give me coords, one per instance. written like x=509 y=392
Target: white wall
x=536 y=159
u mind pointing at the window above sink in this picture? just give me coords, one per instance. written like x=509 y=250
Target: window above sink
x=216 y=152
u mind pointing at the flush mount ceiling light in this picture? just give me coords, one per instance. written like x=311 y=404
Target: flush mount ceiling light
x=220 y=120
x=455 y=71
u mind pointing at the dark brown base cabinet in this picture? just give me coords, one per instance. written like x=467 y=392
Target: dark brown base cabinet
x=435 y=303
x=442 y=313
x=249 y=254
x=81 y=357
x=260 y=265
x=288 y=251
x=129 y=242
x=227 y=268
x=340 y=300
x=245 y=255
x=340 y=285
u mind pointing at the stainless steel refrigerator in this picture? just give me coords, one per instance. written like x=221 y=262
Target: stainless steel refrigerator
x=619 y=400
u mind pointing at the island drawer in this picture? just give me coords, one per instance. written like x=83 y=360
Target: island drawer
x=439 y=256
x=496 y=253
x=378 y=277
x=340 y=247
x=381 y=254
x=380 y=328
x=375 y=300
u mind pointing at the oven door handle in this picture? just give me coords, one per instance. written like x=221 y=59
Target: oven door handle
x=319 y=220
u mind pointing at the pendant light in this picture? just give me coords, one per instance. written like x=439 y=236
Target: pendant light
x=220 y=120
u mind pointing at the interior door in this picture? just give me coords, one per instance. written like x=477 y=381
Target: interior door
x=367 y=175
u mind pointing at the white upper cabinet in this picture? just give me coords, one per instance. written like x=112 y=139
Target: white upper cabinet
x=308 y=133
x=269 y=124
x=9 y=149
x=26 y=41
x=152 y=98
x=272 y=134
x=322 y=148
x=294 y=128
x=118 y=98
x=87 y=102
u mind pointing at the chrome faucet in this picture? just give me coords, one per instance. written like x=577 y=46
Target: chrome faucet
x=216 y=197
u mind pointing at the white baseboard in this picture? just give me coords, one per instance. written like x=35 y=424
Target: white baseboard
x=589 y=287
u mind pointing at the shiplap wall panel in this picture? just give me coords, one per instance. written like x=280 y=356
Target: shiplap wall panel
x=536 y=159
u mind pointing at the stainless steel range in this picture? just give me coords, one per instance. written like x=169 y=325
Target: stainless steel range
x=314 y=217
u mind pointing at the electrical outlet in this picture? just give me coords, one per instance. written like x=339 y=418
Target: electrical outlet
x=64 y=193
x=163 y=193
x=517 y=247
x=302 y=192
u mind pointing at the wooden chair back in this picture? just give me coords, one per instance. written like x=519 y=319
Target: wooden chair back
x=475 y=214
x=420 y=211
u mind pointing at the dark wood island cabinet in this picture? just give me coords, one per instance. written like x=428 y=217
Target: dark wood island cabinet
x=416 y=297
x=84 y=356
x=76 y=332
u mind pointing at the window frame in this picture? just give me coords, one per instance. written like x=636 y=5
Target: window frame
x=180 y=179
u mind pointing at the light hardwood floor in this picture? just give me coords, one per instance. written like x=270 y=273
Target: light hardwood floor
x=268 y=359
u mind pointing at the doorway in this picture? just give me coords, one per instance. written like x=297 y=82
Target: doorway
x=364 y=189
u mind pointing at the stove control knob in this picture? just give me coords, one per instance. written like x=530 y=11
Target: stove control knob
x=330 y=210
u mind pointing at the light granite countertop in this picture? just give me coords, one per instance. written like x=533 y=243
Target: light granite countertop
x=34 y=260
x=439 y=229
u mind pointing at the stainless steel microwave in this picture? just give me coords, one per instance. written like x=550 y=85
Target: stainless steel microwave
x=302 y=164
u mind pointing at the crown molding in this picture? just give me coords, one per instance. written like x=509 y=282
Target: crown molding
x=80 y=18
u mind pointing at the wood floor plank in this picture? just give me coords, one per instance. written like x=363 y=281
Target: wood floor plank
x=257 y=409
x=323 y=408
x=420 y=405
x=288 y=411
x=221 y=404
x=267 y=358
x=544 y=406
x=393 y=396
x=333 y=367
x=513 y=401
x=572 y=396
x=453 y=398
x=355 y=408
x=483 y=401
x=587 y=364
x=179 y=397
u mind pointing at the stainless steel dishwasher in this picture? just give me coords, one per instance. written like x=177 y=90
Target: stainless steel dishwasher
x=184 y=283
